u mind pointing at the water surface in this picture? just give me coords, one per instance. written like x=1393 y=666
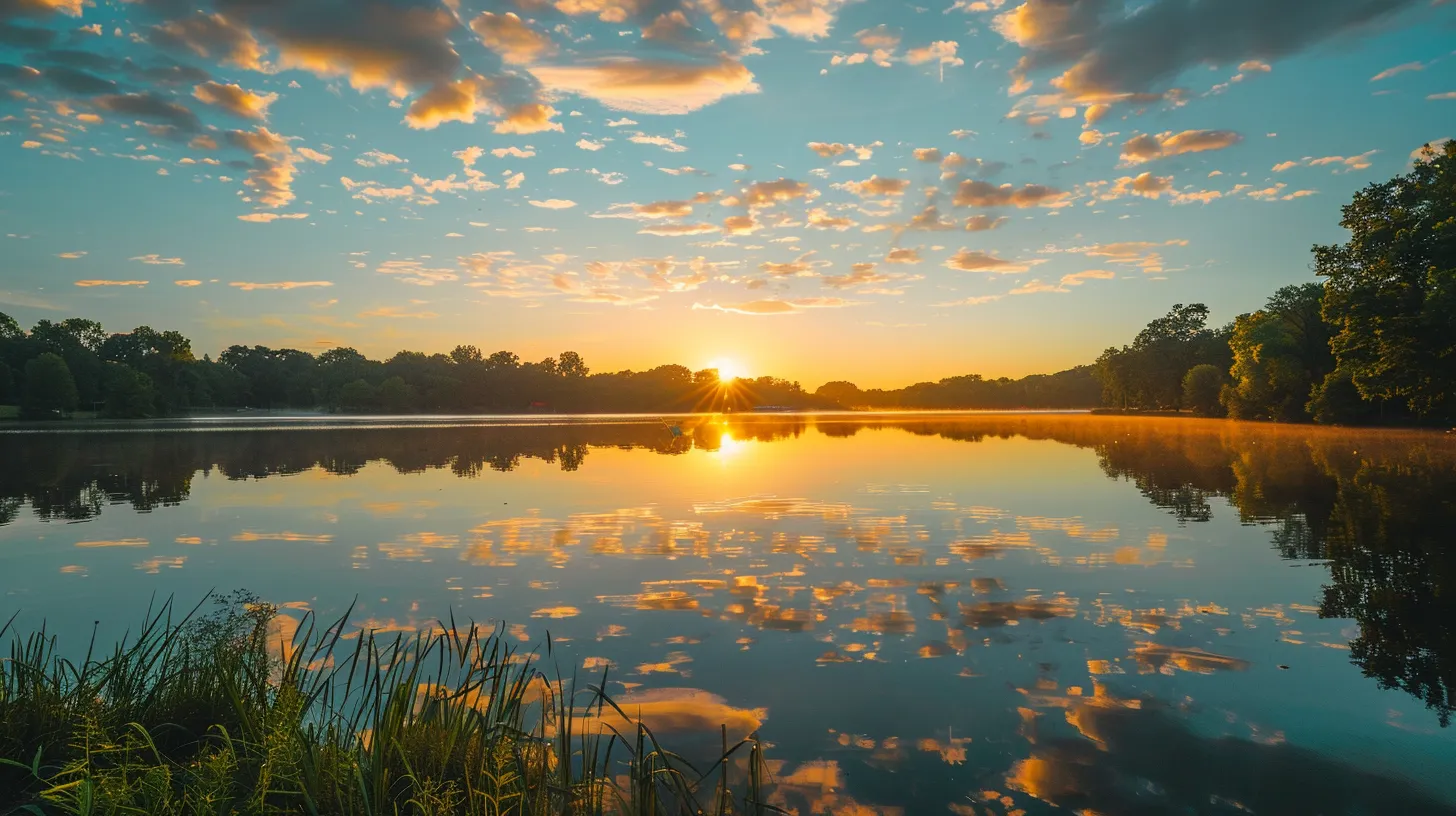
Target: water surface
x=936 y=614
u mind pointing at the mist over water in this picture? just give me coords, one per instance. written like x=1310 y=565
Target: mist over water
x=942 y=613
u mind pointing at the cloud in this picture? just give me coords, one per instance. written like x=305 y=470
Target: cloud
x=248 y=286
x=807 y=19
x=875 y=186
x=151 y=108
x=1111 y=51
x=502 y=152
x=1399 y=69
x=984 y=223
x=678 y=229
x=187 y=284
x=157 y=260
x=740 y=225
x=86 y=284
x=314 y=156
x=452 y=101
x=649 y=86
x=532 y=117
x=774 y=306
x=663 y=209
x=271 y=174
x=507 y=35
x=1145 y=185
x=553 y=204
x=927 y=154
x=71 y=256
x=1079 y=278
x=1146 y=147
x=819 y=218
x=969 y=261
x=1033 y=287
x=588 y=144
x=978 y=300
x=1435 y=97
x=941 y=51
x=658 y=141
x=398 y=313
x=234 y=100
x=767 y=193
x=973 y=193
x=903 y=256
x=828 y=149
x=269 y=217
x=212 y=36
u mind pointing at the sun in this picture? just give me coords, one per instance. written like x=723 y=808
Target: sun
x=728 y=369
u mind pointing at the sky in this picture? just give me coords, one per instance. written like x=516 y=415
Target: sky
x=879 y=192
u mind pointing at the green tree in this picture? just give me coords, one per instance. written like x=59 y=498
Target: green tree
x=128 y=393
x=1391 y=292
x=1201 y=387
x=357 y=396
x=9 y=329
x=49 y=387
x=396 y=395
x=7 y=384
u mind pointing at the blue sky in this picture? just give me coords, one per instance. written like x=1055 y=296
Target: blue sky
x=873 y=191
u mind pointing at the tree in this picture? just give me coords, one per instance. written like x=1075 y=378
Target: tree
x=129 y=393
x=7 y=384
x=1201 y=387
x=357 y=395
x=1280 y=354
x=395 y=395
x=465 y=355
x=9 y=329
x=1391 y=292
x=570 y=364
x=49 y=387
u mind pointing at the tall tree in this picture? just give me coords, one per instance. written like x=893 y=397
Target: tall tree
x=1391 y=294
x=9 y=329
x=49 y=386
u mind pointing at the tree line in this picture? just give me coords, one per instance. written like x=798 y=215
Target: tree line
x=1374 y=341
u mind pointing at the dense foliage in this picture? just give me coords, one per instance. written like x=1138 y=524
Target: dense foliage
x=57 y=368
x=1375 y=341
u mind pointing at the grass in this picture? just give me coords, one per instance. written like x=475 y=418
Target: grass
x=9 y=412
x=222 y=712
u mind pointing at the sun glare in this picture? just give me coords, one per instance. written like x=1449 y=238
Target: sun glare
x=728 y=369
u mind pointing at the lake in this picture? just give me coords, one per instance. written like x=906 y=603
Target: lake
x=969 y=614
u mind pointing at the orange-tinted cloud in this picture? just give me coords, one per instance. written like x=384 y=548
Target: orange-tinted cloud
x=649 y=86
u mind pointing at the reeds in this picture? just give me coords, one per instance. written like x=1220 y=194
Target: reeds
x=229 y=712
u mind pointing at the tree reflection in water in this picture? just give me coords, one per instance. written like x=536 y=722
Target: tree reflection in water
x=1378 y=507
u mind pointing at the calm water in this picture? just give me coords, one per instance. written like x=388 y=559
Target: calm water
x=947 y=614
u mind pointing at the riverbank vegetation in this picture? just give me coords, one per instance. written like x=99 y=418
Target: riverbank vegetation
x=242 y=710
x=1373 y=341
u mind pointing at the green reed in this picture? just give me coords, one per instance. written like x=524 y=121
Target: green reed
x=226 y=712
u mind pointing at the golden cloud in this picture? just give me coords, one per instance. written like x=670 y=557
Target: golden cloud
x=777 y=307
x=86 y=284
x=969 y=261
x=974 y=193
x=876 y=186
x=248 y=286
x=1147 y=147
x=649 y=86
x=235 y=100
x=507 y=35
